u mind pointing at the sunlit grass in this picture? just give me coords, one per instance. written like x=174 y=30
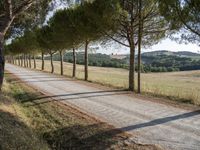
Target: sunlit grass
x=183 y=86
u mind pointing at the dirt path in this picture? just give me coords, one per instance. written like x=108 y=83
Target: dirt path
x=149 y=122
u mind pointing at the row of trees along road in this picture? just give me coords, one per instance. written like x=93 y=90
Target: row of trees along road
x=75 y=27
x=132 y=23
x=15 y=15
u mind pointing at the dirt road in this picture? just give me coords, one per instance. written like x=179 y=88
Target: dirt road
x=149 y=122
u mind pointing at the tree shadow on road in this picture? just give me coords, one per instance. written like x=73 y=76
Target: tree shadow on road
x=149 y=123
x=83 y=95
x=74 y=96
x=162 y=120
x=36 y=76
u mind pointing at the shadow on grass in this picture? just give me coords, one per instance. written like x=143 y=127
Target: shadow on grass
x=14 y=134
x=17 y=135
x=82 y=137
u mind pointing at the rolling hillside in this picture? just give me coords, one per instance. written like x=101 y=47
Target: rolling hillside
x=157 y=61
x=170 y=53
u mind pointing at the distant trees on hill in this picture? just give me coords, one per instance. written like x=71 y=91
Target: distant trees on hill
x=160 y=63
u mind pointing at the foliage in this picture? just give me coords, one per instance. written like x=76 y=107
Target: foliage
x=64 y=28
x=26 y=14
x=183 y=16
x=25 y=44
x=84 y=22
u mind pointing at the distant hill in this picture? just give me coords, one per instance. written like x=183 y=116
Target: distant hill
x=187 y=54
x=165 y=52
x=120 y=57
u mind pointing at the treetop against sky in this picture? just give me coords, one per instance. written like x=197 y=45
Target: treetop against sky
x=113 y=47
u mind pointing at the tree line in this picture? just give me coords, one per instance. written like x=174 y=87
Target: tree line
x=132 y=23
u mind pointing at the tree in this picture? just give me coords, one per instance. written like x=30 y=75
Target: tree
x=183 y=16
x=31 y=45
x=94 y=19
x=46 y=42
x=26 y=45
x=17 y=47
x=9 y=11
x=139 y=43
x=153 y=29
x=64 y=27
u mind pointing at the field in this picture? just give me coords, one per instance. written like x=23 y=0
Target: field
x=182 y=86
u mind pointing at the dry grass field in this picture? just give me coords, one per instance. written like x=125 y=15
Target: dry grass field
x=182 y=86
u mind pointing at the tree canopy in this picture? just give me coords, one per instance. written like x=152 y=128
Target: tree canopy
x=183 y=16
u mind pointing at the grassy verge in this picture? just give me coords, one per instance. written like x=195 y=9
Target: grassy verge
x=30 y=121
x=178 y=86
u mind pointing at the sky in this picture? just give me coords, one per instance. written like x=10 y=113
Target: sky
x=170 y=45
x=166 y=44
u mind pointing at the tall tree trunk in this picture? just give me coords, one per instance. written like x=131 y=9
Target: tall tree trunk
x=2 y=61
x=132 y=68
x=42 y=60
x=9 y=59
x=13 y=60
x=27 y=64
x=61 y=62
x=74 y=63
x=34 y=62
x=24 y=60
x=132 y=51
x=139 y=45
x=52 y=66
x=18 y=60
x=86 y=59
x=21 y=60
x=30 y=61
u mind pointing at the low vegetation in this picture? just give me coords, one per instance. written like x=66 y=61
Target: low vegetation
x=28 y=120
x=169 y=63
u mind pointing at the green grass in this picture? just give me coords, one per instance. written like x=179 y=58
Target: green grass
x=15 y=133
x=180 y=86
x=29 y=120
